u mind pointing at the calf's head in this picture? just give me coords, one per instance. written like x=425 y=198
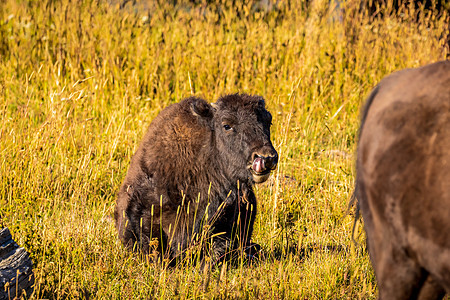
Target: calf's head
x=241 y=127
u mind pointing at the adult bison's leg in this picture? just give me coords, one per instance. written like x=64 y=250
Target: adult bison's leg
x=431 y=290
x=409 y=281
x=398 y=276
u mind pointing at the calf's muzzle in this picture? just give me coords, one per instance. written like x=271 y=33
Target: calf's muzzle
x=263 y=162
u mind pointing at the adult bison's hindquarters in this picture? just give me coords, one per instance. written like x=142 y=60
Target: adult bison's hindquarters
x=403 y=182
x=195 y=169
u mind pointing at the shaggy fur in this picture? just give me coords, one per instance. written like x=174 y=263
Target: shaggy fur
x=403 y=182
x=195 y=167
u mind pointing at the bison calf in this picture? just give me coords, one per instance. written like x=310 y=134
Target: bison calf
x=196 y=166
x=403 y=182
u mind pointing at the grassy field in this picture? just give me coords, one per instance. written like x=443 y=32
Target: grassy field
x=81 y=80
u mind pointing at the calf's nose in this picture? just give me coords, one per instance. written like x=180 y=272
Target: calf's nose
x=271 y=161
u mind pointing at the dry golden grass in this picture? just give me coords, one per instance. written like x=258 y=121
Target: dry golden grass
x=81 y=80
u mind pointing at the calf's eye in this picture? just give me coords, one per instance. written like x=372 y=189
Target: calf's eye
x=227 y=127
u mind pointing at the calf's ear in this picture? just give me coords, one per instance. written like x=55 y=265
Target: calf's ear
x=261 y=102
x=201 y=108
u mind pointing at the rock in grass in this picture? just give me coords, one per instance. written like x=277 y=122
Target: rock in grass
x=16 y=273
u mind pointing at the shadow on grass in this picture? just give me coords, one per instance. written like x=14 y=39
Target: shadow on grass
x=303 y=252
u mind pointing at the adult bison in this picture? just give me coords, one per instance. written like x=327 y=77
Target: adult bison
x=196 y=166
x=403 y=182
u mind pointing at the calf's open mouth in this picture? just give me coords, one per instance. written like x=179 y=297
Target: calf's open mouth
x=259 y=166
x=259 y=171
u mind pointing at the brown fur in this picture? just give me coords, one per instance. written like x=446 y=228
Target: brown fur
x=403 y=182
x=192 y=168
